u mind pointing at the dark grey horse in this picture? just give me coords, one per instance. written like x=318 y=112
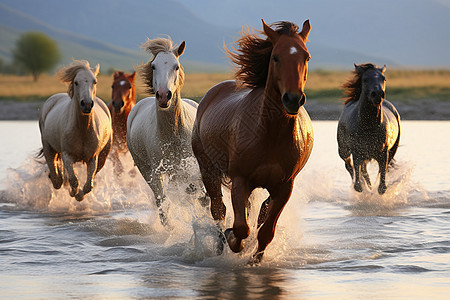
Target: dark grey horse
x=369 y=126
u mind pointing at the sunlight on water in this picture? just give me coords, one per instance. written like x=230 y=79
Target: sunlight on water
x=328 y=236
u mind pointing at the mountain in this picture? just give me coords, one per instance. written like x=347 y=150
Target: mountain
x=392 y=32
x=410 y=32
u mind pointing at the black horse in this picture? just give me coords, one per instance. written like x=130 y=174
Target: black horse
x=369 y=126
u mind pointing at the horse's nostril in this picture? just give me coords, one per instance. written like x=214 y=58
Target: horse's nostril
x=169 y=95
x=157 y=94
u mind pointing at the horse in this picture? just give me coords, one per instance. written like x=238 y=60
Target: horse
x=75 y=127
x=254 y=130
x=369 y=126
x=123 y=100
x=159 y=128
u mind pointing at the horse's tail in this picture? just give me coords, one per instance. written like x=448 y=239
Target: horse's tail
x=39 y=155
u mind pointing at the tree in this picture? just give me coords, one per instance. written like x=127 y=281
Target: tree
x=36 y=53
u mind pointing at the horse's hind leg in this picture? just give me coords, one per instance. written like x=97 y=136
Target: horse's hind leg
x=267 y=231
x=103 y=155
x=51 y=157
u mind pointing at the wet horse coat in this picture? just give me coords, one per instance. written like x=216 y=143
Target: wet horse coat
x=256 y=133
x=159 y=128
x=369 y=126
x=123 y=100
x=76 y=127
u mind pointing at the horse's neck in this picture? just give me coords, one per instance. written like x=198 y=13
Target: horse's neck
x=170 y=121
x=80 y=121
x=273 y=117
x=368 y=114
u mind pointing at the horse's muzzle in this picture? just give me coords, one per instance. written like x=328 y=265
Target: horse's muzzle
x=293 y=102
x=86 y=106
x=163 y=98
x=118 y=106
x=377 y=97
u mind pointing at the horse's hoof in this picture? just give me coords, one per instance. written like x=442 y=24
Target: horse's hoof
x=235 y=245
x=221 y=241
x=191 y=189
x=80 y=196
x=381 y=189
x=358 y=187
x=256 y=259
x=204 y=201
x=163 y=218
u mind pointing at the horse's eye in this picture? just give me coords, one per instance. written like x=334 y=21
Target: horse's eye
x=275 y=58
x=153 y=67
x=95 y=81
x=309 y=57
x=76 y=83
x=177 y=68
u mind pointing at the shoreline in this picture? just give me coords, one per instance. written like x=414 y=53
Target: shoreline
x=426 y=109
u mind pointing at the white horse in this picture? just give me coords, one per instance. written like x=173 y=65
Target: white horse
x=76 y=126
x=159 y=129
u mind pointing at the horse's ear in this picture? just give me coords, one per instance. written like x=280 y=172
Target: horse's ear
x=383 y=69
x=178 y=51
x=96 y=70
x=271 y=34
x=132 y=76
x=116 y=74
x=305 y=31
x=358 y=68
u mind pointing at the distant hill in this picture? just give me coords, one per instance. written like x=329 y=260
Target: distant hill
x=111 y=31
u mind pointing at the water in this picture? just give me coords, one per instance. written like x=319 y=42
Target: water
x=330 y=241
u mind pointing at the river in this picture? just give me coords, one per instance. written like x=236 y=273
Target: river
x=330 y=243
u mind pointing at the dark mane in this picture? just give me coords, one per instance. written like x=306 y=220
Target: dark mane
x=354 y=85
x=252 y=54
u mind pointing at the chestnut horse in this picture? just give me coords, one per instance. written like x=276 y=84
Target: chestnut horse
x=76 y=127
x=256 y=132
x=369 y=126
x=123 y=100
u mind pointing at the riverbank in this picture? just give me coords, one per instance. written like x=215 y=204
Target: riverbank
x=318 y=110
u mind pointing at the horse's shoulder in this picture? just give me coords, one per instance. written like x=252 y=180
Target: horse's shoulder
x=387 y=104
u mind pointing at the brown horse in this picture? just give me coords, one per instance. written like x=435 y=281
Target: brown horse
x=256 y=133
x=123 y=100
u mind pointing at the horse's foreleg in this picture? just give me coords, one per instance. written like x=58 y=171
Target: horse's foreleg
x=357 y=166
x=51 y=157
x=267 y=231
x=382 y=166
x=349 y=166
x=156 y=184
x=240 y=191
x=365 y=174
x=91 y=171
x=73 y=180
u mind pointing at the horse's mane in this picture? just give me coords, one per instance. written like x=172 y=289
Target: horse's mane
x=67 y=74
x=120 y=75
x=252 y=54
x=156 y=46
x=354 y=85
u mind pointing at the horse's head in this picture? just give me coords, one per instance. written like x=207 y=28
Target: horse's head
x=372 y=82
x=164 y=74
x=288 y=66
x=123 y=90
x=82 y=84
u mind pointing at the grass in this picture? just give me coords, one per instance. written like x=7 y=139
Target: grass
x=325 y=86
